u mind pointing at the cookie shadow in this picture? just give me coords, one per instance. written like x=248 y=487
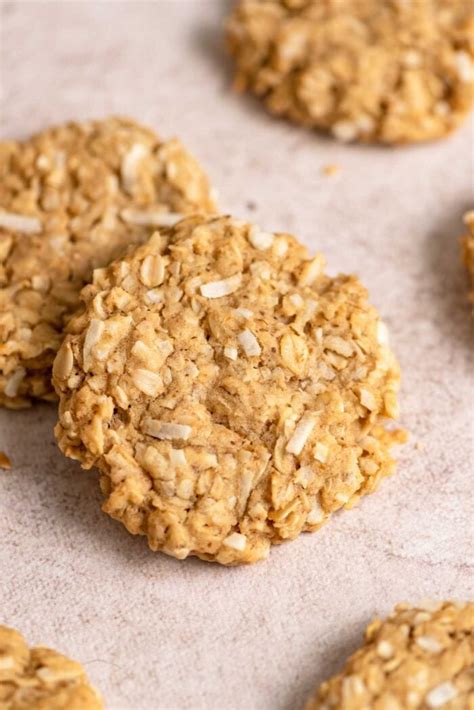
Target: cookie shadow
x=209 y=42
x=346 y=642
x=449 y=282
x=56 y=489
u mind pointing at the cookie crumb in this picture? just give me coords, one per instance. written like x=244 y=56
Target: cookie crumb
x=331 y=169
x=5 y=462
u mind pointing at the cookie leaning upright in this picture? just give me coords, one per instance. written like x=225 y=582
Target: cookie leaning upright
x=231 y=394
x=366 y=70
x=419 y=658
x=72 y=198
x=467 y=241
x=41 y=679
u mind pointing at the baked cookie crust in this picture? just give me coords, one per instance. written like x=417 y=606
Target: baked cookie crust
x=41 y=679
x=71 y=199
x=364 y=70
x=420 y=658
x=467 y=242
x=231 y=394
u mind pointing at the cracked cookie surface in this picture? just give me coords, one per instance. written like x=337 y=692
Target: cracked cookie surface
x=73 y=198
x=41 y=679
x=231 y=394
x=390 y=72
x=467 y=242
x=419 y=658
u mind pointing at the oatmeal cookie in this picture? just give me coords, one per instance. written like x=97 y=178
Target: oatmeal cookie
x=41 y=679
x=419 y=658
x=71 y=199
x=467 y=242
x=231 y=394
x=365 y=70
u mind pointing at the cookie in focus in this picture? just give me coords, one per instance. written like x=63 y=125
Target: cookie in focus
x=231 y=394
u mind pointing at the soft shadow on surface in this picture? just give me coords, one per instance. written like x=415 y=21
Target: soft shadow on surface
x=449 y=283
x=69 y=497
x=342 y=646
x=209 y=41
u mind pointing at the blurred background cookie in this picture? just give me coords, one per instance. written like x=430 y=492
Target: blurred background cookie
x=420 y=658
x=71 y=199
x=41 y=679
x=364 y=70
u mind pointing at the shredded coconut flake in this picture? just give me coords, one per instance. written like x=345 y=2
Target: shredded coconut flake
x=429 y=644
x=236 y=541
x=148 y=382
x=230 y=353
x=384 y=650
x=464 y=66
x=296 y=300
x=178 y=457
x=166 y=430
x=300 y=435
x=315 y=515
x=249 y=343
x=150 y=218
x=242 y=312
x=367 y=399
x=155 y=295
x=20 y=223
x=441 y=694
x=345 y=131
x=218 y=289
x=13 y=383
x=260 y=240
x=130 y=162
x=321 y=452
x=93 y=335
x=382 y=333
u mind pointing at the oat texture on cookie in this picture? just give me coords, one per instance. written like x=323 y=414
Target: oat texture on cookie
x=467 y=242
x=396 y=71
x=41 y=679
x=231 y=394
x=71 y=199
x=419 y=658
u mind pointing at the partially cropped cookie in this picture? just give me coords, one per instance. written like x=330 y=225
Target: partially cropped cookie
x=468 y=250
x=73 y=198
x=420 y=658
x=41 y=679
x=395 y=71
x=231 y=394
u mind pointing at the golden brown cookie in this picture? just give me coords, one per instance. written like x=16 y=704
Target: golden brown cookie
x=71 y=199
x=420 y=658
x=41 y=679
x=467 y=242
x=231 y=394
x=391 y=71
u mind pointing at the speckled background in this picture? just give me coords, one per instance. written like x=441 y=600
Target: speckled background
x=155 y=633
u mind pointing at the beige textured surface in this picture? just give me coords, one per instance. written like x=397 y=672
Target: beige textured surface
x=154 y=633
